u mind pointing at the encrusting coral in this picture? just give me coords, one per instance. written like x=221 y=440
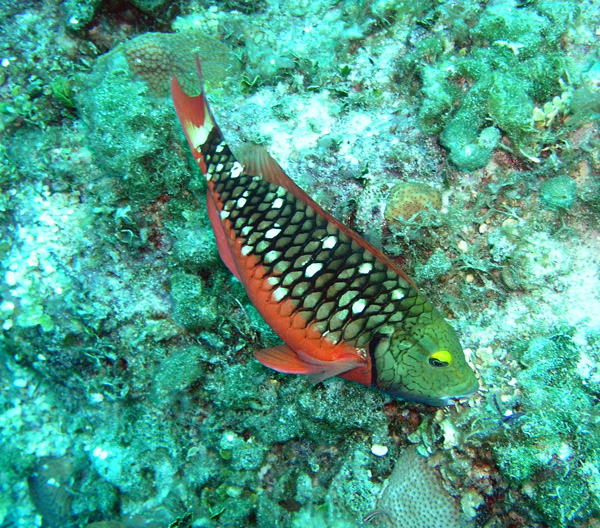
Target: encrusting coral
x=406 y=199
x=158 y=57
x=414 y=498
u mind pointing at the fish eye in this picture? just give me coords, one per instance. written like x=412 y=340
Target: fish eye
x=441 y=358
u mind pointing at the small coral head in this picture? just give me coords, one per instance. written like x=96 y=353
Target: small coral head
x=423 y=362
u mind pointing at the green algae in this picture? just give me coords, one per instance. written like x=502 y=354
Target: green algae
x=127 y=133
x=515 y=61
x=190 y=308
x=555 y=438
x=436 y=265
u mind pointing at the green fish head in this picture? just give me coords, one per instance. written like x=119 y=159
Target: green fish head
x=423 y=362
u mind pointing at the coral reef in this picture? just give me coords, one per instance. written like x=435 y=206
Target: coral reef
x=157 y=58
x=129 y=392
x=506 y=66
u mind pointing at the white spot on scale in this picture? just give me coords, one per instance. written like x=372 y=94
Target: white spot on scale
x=245 y=194
x=330 y=242
x=272 y=256
x=224 y=214
x=313 y=269
x=220 y=147
x=359 y=306
x=278 y=203
x=397 y=295
x=246 y=230
x=246 y=250
x=365 y=268
x=279 y=294
x=273 y=281
x=236 y=170
x=241 y=202
x=272 y=233
x=219 y=167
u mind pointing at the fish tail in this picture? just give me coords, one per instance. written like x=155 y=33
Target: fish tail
x=197 y=121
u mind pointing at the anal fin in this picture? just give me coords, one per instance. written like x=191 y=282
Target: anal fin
x=220 y=236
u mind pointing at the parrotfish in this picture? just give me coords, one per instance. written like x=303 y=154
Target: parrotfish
x=341 y=307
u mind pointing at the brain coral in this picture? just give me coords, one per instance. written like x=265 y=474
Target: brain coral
x=157 y=57
x=414 y=498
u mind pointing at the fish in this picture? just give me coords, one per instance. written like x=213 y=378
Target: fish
x=340 y=306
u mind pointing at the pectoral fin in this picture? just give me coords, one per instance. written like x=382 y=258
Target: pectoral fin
x=283 y=359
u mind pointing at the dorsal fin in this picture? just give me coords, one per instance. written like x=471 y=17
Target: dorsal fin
x=258 y=162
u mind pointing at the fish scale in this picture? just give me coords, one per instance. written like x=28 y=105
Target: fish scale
x=341 y=307
x=291 y=242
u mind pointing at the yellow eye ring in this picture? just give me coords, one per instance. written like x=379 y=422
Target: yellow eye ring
x=441 y=358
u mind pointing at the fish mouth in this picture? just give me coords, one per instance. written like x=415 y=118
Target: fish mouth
x=440 y=401
x=472 y=390
x=434 y=402
x=446 y=400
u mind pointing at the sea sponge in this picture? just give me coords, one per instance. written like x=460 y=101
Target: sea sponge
x=406 y=199
x=157 y=57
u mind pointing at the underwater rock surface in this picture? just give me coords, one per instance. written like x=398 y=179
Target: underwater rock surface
x=130 y=394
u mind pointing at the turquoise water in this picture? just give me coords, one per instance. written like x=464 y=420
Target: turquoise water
x=130 y=393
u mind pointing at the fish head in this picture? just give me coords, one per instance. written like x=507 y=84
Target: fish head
x=422 y=362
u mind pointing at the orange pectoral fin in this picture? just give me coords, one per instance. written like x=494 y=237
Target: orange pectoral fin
x=335 y=368
x=283 y=359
